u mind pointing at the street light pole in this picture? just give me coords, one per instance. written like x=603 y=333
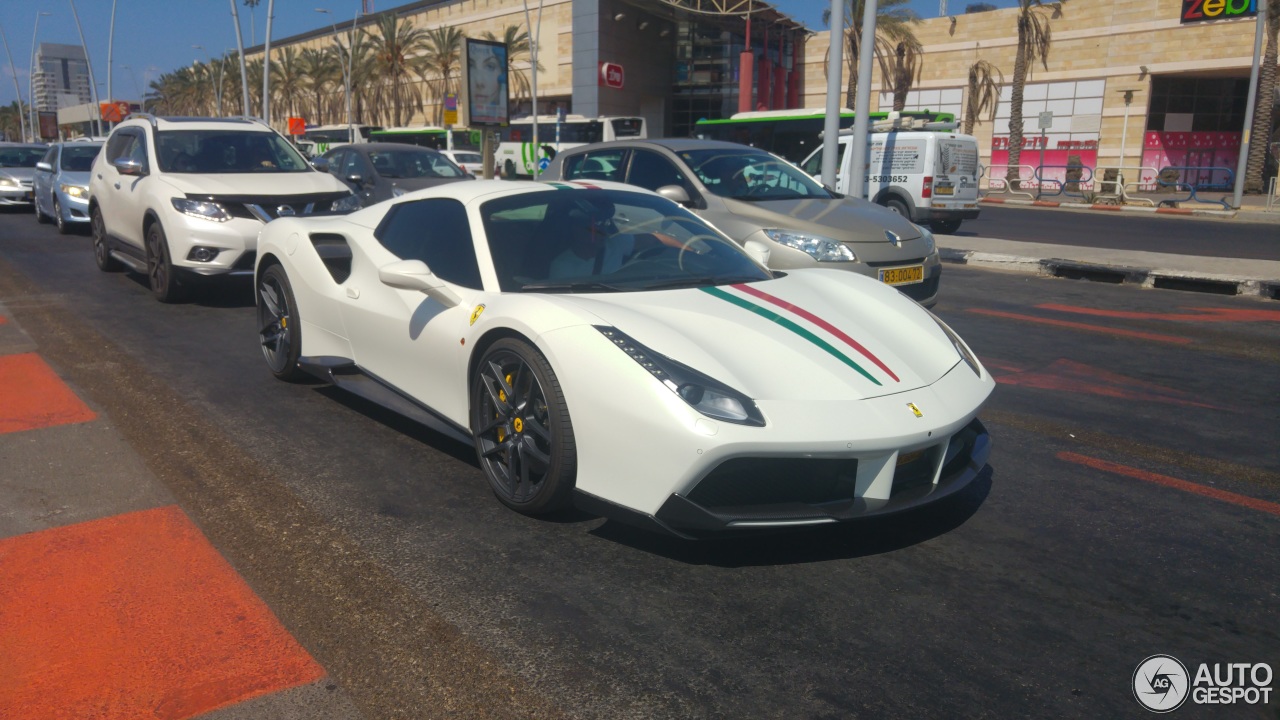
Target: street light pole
x=93 y=87
x=217 y=91
x=136 y=91
x=266 y=64
x=17 y=89
x=533 y=57
x=31 y=78
x=111 y=40
x=244 y=71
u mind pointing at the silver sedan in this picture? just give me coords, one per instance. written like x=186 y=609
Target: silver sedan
x=61 y=184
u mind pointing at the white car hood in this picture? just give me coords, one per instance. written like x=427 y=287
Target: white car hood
x=248 y=184
x=801 y=342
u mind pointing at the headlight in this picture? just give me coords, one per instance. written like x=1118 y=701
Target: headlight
x=707 y=396
x=8 y=182
x=202 y=209
x=929 y=243
x=75 y=191
x=346 y=204
x=959 y=345
x=822 y=249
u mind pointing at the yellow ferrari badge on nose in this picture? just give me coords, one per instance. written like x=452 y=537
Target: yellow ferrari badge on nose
x=915 y=409
x=475 y=314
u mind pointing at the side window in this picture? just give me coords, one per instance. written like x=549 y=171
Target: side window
x=352 y=165
x=651 y=171
x=138 y=150
x=437 y=232
x=336 y=158
x=813 y=166
x=598 y=165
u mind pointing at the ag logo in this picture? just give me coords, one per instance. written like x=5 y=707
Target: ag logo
x=1161 y=683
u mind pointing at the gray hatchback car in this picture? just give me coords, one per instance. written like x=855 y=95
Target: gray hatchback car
x=749 y=194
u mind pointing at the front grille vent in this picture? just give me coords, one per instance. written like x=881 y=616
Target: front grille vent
x=772 y=481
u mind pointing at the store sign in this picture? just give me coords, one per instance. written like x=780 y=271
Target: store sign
x=611 y=75
x=1201 y=10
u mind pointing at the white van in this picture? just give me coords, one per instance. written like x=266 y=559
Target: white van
x=929 y=176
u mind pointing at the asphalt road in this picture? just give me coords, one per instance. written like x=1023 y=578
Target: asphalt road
x=1089 y=544
x=1129 y=231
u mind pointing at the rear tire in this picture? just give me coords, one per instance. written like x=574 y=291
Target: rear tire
x=523 y=436
x=946 y=227
x=160 y=274
x=101 y=250
x=898 y=206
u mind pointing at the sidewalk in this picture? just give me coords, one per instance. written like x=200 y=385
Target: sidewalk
x=1253 y=208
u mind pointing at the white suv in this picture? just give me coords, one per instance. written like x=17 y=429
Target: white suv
x=177 y=197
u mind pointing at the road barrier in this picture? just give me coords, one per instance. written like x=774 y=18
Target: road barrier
x=1198 y=183
x=1119 y=187
x=1085 y=181
x=999 y=184
x=1271 y=195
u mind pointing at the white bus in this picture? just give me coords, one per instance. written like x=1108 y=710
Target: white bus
x=516 y=153
x=320 y=139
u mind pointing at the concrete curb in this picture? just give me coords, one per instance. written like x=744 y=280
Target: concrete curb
x=1145 y=277
x=1109 y=208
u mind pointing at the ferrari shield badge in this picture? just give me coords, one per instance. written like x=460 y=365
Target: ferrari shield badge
x=915 y=409
x=475 y=314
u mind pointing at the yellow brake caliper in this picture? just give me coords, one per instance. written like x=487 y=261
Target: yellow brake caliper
x=502 y=395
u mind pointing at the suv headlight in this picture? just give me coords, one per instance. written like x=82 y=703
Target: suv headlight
x=202 y=209
x=346 y=204
x=75 y=191
x=704 y=394
x=822 y=249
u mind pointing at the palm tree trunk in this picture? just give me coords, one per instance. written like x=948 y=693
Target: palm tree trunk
x=851 y=87
x=970 y=117
x=1015 y=105
x=1262 y=111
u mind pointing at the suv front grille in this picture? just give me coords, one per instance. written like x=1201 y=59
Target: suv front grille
x=268 y=208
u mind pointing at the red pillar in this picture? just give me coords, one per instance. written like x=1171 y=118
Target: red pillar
x=746 y=68
x=793 y=84
x=765 y=74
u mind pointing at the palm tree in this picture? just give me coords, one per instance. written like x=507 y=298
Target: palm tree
x=900 y=66
x=444 y=45
x=1262 y=109
x=288 y=78
x=363 y=73
x=395 y=45
x=983 y=94
x=1034 y=39
x=11 y=120
x=518 y=50
x=318 y=70
x=893 y=23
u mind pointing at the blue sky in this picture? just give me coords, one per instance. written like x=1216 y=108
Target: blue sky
x=155 y=36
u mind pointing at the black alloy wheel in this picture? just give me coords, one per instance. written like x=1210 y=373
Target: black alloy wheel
x=101 y=251
x=279 y=331
x=521 y=426
x=160 y=275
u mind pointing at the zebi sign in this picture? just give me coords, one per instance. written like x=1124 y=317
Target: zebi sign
x=1201 y=10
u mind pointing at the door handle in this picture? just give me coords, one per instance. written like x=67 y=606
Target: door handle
x=353 y=293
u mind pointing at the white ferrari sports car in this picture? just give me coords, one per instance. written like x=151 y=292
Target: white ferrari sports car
x=600 y=345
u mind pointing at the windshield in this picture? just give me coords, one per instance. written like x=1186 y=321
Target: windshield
x=20 y=157
x=78 y=158
x=413 y=163
x=223 y=151
x=750 y=175
x=607 y=241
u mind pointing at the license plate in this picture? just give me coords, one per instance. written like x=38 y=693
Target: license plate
x=29 y=196
x=902 y=275
x=944 y=190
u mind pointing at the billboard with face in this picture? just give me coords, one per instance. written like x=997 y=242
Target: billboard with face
x=487 y=102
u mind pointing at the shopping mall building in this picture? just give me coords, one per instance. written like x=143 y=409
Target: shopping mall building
x=1135 y=82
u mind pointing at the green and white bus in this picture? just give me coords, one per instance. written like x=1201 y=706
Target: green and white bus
x=792 y=134
x=320 y=139
x=516 y=155
x=430 y=136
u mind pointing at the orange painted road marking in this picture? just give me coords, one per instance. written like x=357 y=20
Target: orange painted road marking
x=1070 y=376
x=1196 y=488
x=1172 y=339
x=1198 y=314
x=33 y=396
x=134 y=616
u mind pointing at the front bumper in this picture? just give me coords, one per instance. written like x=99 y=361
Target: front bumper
x=16 y=196
x=74 y=209
x=234 y=241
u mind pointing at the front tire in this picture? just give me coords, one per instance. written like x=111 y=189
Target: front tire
x=101 y=250
x=63 y=227
x=280 y=330
x=523 y=436
x=40 y=216
x=160 y=274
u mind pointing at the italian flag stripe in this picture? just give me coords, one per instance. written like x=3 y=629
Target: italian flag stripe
x=820 y=323
x=775 y=317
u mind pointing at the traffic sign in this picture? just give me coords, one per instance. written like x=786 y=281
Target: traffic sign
x=1046 y=120
x=297 y=126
